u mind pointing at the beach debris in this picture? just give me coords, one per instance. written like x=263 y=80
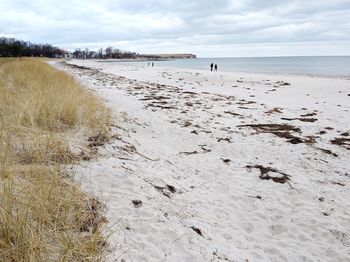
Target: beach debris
x=171 y=188
x=295 y=140
x=283 y=131
x=227 y=139
x=222 y=257
x=282 y=83
x=309 y=114
x=129 y=148
x=342 y=141
x=190 y=93
x=137 y=203
x=265 y=174
x=327 y=151
x=226 y=160
x=308 y=119
x=206 y=150
x=197 y=230
x=337 y=183
x=146 y=98
x=97 y=140
x=189 y=153
x=274 y=110
x=161 y=107
x=280 y=130
x=232 y=113
x=258 y=197
x=300 y=119
x=244 y=107
x=203 y=147
x=244 y=102
x=165 y=190
x=194 y=132
x=186 y=124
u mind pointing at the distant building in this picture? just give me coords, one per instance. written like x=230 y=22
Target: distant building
x=67 y=54
x=64 y=54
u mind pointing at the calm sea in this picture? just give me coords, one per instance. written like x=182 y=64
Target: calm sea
x=338 y=66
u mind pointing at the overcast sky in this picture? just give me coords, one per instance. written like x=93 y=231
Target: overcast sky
x=206 y=28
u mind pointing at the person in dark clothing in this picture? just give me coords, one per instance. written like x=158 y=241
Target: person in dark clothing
x=152 y=64
x=216 y=67
x=211 y=66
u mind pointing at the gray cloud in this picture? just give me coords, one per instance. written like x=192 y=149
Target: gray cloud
x=220 y=27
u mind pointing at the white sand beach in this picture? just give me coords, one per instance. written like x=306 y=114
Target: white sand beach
x=221 y=166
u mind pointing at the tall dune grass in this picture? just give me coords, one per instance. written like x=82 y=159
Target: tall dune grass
x=44 y=216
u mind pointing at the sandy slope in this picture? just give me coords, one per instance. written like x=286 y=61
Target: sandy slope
x=212 y=187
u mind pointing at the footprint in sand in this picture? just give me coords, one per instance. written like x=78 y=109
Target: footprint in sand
x=277 y=229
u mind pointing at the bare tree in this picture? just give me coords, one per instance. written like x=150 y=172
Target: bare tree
x=109 y=52
x=100 y=53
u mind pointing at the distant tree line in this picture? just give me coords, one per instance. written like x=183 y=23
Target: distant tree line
x=11 y=47
x=109 y=52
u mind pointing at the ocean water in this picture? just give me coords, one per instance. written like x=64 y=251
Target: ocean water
x=336 y=66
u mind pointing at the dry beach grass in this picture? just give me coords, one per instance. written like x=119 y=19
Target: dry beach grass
x=44 y=215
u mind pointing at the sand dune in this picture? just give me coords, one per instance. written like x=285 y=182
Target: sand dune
x=222 y=166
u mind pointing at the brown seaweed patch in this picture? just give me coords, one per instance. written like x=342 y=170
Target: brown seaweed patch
x=309 y=114
x=275 y=110
x=232 y=113
x=328 y=152
x=265 y=174
x=342 y=141
x=161 y=107
x=300 y=119
x=146 y=98
x=272 y=127
x=280 y=130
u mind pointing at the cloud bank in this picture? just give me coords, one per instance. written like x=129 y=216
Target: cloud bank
x=206 y=28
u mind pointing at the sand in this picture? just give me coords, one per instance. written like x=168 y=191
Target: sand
x=221 y=166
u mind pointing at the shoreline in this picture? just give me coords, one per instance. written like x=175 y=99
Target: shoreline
x=131 y=61
x=257 y=73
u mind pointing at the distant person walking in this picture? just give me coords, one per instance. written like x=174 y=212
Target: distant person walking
x=216 y=67
x=152 y=64
x=211 y=66
x=148 y=63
